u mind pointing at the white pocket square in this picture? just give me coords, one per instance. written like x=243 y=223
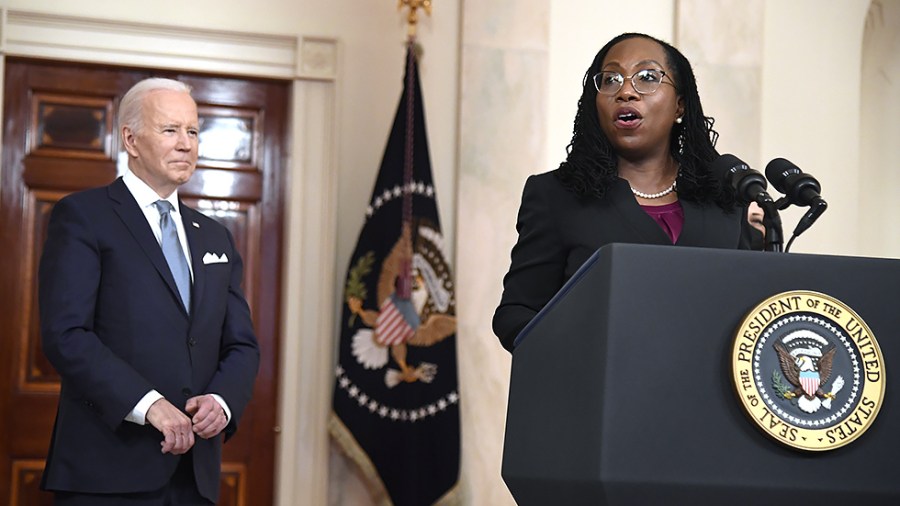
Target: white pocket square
x=212 y=258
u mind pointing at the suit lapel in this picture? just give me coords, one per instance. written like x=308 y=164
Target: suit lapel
x=635 y=218
x=694 y=224
x=195 y=244
x=131 y=214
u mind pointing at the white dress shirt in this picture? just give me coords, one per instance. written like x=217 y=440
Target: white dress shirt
x=146 y=197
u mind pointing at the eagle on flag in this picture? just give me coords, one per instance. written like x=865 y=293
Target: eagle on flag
x=407 y=315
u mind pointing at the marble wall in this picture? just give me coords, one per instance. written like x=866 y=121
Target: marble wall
x=879 y=130
x=814 y=121
x=504 y=54
x=723 y=41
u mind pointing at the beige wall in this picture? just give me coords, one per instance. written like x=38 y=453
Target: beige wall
x=752 y=59
x=578 y=29
x=723 y=41
x=879 y=131
x=815 y=122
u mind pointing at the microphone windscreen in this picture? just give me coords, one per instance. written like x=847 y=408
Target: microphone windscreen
x=778 y=170
x=721 y=168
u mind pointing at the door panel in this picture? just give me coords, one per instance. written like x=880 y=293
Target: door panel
x=60 y=136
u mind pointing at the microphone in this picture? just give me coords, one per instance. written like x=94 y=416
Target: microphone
x=799 y=189
x=748 y=184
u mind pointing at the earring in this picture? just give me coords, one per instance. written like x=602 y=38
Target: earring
x=681 y=142
x=678 y=120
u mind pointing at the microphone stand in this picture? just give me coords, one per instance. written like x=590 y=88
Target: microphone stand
x=816 y=208
x=772 y=222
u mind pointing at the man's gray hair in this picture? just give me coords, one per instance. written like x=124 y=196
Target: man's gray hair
x=130 y=113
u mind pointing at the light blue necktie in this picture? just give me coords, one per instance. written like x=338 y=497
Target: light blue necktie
x=171 y=247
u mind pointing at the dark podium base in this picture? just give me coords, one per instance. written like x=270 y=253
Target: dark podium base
x=621 y=389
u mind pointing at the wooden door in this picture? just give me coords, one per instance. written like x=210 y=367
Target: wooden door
x=60 y=136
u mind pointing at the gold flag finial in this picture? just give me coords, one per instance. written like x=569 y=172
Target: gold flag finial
x=413 y=17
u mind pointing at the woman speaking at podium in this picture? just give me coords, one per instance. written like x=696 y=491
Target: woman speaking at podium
x=637 y=171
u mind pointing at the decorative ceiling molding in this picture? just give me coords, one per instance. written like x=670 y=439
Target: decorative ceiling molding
x=42 y=35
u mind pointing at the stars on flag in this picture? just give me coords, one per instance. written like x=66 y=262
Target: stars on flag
x=389 y=194
x=383 y=411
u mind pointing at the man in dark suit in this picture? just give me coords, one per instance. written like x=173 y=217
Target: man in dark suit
x=143 y=317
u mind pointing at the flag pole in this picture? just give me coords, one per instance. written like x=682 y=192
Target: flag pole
x=396 y=387
x=404 y=281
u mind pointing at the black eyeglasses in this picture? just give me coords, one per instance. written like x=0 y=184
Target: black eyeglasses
x=645 y=82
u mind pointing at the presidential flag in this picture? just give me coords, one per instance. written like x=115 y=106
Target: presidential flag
x=396 y=402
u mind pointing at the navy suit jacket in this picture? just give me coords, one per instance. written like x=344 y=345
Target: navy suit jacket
x=114 y=328
x=558 y=232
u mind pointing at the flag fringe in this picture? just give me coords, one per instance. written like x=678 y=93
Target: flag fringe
x=353 y=451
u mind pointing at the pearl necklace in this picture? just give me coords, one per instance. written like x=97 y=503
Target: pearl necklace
x=651 y=196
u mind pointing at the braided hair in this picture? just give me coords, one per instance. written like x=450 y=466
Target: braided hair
x=590 y=167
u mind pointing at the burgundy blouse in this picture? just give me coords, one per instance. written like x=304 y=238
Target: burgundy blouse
x=669 y=216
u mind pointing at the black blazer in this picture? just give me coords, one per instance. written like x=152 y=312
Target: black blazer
x=114 y=327
x=558 y=232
